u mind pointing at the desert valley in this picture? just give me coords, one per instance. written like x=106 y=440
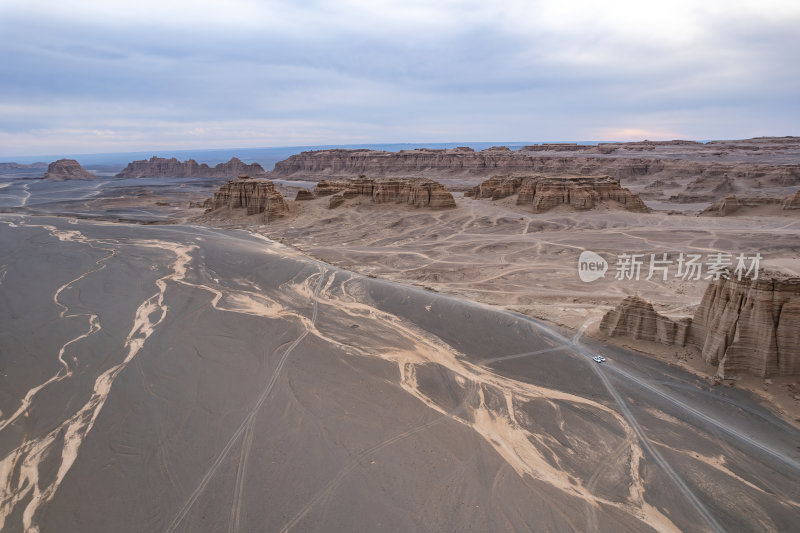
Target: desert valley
x=404 y=340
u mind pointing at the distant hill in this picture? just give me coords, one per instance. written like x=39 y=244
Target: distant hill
x=21 y=166
x=67 y=169
x=157 y=167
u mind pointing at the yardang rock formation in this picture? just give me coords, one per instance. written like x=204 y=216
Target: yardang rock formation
x=158 y=167
x=67 y=169
x=544 y=193
x=741 y=326
x=417 y=192
x=253 y=195
x=635 y=317
x=750 y=326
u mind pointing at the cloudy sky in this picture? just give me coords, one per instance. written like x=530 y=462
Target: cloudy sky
x=82 y=76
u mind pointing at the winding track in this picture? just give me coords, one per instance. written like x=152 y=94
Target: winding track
x=243 y=427
x=631 y=419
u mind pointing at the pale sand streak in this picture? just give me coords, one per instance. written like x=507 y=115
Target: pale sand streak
x=27 y=457
x=27 y=195
x=94 y=327
x=510 y=440
x=246 y=422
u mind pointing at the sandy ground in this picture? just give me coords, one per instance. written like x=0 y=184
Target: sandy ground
x=500 y=254
x=195 y=379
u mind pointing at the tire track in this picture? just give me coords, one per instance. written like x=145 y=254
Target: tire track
x=359 y=457
x=592 y=525
x=243 y=427
x=645 y=442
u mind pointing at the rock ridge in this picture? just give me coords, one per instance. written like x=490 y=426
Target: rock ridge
x=157 y=167
x=550 y=159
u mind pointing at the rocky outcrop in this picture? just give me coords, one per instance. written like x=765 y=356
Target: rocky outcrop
x=160 y=167
x=255 y=196
x=67 y=169
x=335 y=201
x=706 y=188
x=636 y=318
x=750 y=326
x=496 y=187
x=327 y=187
x=207 y=204
x=304 y=194
x=418 y=192
x=742 y=326
x=733 y=205
x=544 y=193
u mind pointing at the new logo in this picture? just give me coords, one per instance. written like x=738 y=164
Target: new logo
x=591 y=266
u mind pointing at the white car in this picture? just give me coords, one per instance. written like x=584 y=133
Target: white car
x=599 y=359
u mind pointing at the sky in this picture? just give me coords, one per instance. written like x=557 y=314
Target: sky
x=93 y=76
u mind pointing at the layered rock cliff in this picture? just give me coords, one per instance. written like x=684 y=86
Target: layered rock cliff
x=675 y=159
x=636 y=318
x=543 y=193
x=340 y=163
x=158 y=167
x=67 y=169
x=741 y=326
x=255 y=196
x=750 y=326
x=418 y=192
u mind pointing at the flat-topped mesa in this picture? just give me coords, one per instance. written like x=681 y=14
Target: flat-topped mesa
x=419 y=192
x=341 y=163
x=682 y=160
x=750 y=326
x=160 y=167
x=254 y=195
x=67 y=169
x=636 y=318
x=544 y=192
